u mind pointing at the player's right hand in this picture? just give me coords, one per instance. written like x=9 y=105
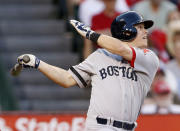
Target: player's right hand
x=28 y=61
x=83 y=30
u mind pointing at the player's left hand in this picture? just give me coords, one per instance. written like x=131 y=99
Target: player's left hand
x=83 y=30
x=33 y=61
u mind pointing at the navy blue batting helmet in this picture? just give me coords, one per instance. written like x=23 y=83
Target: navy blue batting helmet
x=123 y=28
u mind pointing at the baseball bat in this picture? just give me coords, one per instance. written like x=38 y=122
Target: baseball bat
x=15 y=71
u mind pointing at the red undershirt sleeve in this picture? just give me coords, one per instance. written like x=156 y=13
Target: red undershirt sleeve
x=133 y=58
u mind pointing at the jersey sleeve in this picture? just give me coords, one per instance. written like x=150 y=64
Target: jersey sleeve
x=145 y=60
x=82 y=72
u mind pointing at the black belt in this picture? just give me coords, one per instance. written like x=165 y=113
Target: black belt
x=118 y=124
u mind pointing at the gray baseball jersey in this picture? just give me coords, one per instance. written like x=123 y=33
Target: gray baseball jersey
x=118 y=86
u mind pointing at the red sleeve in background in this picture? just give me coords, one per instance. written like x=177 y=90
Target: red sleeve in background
x=178 y=6
x=101 y=21
x=130 y=3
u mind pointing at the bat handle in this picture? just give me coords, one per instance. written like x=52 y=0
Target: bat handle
x=15 y=71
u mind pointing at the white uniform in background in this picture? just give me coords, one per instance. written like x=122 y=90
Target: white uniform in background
x=89 y=8
x=118 y=86
x=154 y=109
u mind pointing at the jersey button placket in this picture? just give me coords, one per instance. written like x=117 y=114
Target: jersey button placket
x=126 y=97
x=111 y=121
x=108 y=121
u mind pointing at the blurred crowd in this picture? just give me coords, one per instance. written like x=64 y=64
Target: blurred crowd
x=164 y=40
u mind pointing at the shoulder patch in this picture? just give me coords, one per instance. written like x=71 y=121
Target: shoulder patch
x=146 y=51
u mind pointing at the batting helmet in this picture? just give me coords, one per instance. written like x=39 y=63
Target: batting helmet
x=123 y=28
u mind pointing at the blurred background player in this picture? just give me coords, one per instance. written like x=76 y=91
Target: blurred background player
x=157 y=42
x=163 y=92
x=89 y=8
x=103 y=10
x=101 y=23
x=157 y=10
x=174 y=47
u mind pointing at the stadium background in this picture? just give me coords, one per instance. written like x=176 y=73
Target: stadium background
x=31 y=102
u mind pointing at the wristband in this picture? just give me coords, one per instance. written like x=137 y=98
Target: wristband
x=94 y=37
x=37 y=62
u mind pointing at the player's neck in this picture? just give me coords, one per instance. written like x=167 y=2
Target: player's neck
x=142 y=47
x=155 y=6
x=109 y=12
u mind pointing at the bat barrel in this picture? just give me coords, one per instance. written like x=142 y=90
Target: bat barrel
x=15 y=71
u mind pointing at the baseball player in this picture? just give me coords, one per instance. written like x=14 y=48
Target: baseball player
x=120 y=73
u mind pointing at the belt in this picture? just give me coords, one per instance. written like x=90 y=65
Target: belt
x=118 y=124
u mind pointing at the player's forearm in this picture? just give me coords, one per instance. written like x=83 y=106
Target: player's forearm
x=58 y=75
x=115 y=46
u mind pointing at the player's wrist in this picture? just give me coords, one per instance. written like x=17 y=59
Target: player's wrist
x=85 y=31
x=37 y=63
x=93 y=36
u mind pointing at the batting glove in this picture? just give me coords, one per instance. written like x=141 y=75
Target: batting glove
x=83 y=30
x=28 y=61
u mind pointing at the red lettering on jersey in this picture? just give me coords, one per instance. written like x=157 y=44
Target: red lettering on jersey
x=145 y=51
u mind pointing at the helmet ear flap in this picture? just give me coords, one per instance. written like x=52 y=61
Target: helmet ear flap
x=122 y=31
x=117 y=27
x=129 y=33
